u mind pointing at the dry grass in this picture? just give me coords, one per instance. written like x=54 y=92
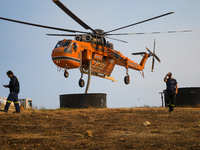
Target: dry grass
x=95 y=129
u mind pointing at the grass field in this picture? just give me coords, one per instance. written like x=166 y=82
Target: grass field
x=96 y=129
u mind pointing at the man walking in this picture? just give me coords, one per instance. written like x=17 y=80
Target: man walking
x=14 y=90
x=171 y=91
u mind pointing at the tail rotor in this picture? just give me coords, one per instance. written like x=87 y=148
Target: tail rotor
x=154 y=56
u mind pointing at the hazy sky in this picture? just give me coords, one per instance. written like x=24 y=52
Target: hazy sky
x=26 y=50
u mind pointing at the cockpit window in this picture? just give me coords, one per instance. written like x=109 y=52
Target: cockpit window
x=58 y=44
x=66 y=44
x=75 y=47
x=69 y=48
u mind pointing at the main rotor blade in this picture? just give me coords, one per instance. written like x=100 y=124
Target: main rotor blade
x=73 y=16
x=139 y=22
x=41 y=26
x=61 y=34
x=117 y=39
x=150 y=33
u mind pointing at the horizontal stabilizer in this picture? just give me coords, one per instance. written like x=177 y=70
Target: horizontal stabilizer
x=139 y=53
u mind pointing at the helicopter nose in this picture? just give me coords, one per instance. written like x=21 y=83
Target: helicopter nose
x=66 y=61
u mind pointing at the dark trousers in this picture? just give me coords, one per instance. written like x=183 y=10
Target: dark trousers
x=170 y=100
x=12 y=97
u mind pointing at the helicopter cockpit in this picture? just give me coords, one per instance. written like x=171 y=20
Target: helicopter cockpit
x=68 y=45
x=66 y=55
x=58 y=44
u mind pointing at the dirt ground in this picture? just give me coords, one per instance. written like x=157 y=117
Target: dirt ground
x=96 y=129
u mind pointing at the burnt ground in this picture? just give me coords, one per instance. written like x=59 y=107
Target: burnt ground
x=95 y=129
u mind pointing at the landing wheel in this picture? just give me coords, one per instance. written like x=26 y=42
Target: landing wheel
x=66 y=74
x=81 y=83
x=126 y=79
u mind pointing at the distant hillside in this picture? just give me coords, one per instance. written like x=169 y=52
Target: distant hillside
x=95 y=129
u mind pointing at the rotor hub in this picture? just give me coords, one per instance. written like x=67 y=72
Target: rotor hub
x=99 y=31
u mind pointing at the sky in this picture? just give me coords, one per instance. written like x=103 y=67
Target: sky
x=26 y=50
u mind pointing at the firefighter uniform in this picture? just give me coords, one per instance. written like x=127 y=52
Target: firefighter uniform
x=170 y=93
x=13 y=95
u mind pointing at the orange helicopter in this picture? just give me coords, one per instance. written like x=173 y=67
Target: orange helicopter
x=91 y=53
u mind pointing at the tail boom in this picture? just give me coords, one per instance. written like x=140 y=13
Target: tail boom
x=128 y=63
x=138 y=67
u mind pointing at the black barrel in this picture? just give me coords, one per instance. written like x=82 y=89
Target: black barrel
x=96 y=100
x=188 y=96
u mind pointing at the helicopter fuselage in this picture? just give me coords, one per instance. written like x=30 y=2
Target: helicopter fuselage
x=71 y=54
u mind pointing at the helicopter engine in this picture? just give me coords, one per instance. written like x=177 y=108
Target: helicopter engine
x=78 y=38
x=91 y=39
x=95 y=40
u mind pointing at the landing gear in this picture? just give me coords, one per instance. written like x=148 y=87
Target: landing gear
x=66 y=74
x=127 y=79
x=81 y=82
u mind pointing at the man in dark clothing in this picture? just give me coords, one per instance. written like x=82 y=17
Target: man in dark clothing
x=14 y=90
x=171 y=91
